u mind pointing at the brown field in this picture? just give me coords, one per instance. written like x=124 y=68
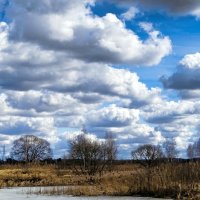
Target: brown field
x=174 y=180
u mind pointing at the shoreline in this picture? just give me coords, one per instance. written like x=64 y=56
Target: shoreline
x=36 y=191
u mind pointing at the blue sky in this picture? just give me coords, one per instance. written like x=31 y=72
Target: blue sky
x=128 y=67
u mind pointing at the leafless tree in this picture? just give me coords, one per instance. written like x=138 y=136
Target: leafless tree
x=30 y=148
x=110 y=150
x=148 y=154
x=197 y=148
x=91 y=156
x=190 y=151
x=193 y=150
x=170 y=149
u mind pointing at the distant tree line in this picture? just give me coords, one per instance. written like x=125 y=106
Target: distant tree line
x=91 y=156
x=149 y=154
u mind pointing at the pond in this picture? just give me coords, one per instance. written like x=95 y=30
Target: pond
x=21 y=194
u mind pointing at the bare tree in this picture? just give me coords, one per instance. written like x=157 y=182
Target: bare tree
x=193 y=150
x=30 y=148
x=190 y=151
x=197 y=148
x=91 y=156
x=147 y=154
x=170 y=149
x=110 y=150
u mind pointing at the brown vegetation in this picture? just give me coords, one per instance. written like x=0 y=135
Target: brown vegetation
x=177 y=180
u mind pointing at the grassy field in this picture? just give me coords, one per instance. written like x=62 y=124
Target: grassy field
x=175 y=180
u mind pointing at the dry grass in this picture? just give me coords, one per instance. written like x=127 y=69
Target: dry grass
x=174 y=180
x=37 y=175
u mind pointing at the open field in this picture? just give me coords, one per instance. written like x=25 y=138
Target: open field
x=175 y=180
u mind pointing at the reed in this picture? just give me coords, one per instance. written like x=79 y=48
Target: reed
x=177 y=180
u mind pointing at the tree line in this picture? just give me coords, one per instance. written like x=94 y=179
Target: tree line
x=89 y=156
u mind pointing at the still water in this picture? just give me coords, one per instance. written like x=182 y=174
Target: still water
x=20 y=194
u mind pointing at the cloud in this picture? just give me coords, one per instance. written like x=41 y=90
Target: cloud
x=190 y=94
x=148 y=27
x=57 y=73
x=169 y=111
x=13 y=125
x=77 y=32
x=45 y=103
x=26 y=67
x=191 y=61
x=112 y=116
x=187 y=75
x=178 y=7
x=174 y=119
x=130 y=137
x=130 y=14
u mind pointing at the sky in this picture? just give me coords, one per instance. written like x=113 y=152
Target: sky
x=129 y=67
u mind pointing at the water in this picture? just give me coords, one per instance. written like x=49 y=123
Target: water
x=20 y=194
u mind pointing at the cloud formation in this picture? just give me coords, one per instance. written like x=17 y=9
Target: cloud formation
x=187 y=75
x=130 y=14
x=178 y=7
x=72 y=28
x=62 y=67
x=112 y=116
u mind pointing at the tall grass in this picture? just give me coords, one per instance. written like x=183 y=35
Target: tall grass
x=177 y=180
x=35 y=175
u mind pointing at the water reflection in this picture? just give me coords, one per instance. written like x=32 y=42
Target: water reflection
x=20 y=194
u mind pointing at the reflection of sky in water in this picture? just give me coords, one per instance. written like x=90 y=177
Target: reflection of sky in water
x=18 y=194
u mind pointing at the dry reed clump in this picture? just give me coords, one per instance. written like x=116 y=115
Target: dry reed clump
x=37 y=175
x=110 y=184
x=108 y=188
x=176 y=180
